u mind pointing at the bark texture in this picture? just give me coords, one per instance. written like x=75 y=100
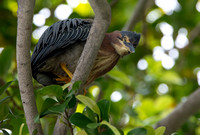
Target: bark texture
x=100 y=25
x=24 y=31
x=181 y=113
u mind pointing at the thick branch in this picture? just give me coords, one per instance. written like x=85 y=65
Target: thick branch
x=100 y=25
x=181 y=113
x=101 y=22
x=24 y=29
x=138 y=13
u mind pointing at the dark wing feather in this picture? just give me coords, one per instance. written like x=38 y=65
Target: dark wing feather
x=58 y=38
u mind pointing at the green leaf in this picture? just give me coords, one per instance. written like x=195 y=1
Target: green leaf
x=61 y=107
x=119 y=76
x=93 y=125
x=56 y=109
x=72 y=102
x=52 y=90
x=150 y=130
x=89 y=102
x=138 y=131
x=6 y=57
x=114 y=129
x=49 y=102
x=90 y=114
x=104 y=106
x=160 y=130
x=4 y=87
x=80 y=120
x=4 y=99
x=76 y=85
x=4 y=111
x=82 y=132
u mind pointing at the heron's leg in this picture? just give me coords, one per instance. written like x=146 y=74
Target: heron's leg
x=64 y=78
x=64 y=67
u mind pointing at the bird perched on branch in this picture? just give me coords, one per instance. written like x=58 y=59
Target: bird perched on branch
x=58 y=50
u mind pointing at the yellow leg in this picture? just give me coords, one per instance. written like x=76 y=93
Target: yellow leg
x=63 y=78
x=64 y=67
x=67 y=79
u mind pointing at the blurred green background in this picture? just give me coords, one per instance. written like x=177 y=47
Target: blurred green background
x=143 y=88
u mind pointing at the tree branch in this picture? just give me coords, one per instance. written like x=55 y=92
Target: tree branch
x=100 y=25
x=194 y=33
x=24 y=30
x=181 y=113
x=138 y=13
x=101 y=22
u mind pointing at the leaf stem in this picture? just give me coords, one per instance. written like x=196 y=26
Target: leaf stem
x=68 y=123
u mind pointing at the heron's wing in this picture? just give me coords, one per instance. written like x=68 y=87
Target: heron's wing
x=58 y=38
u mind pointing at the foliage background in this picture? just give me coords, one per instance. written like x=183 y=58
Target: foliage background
x=139 y=100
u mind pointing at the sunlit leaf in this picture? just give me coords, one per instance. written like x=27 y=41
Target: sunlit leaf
x=84 y=9
x=150 y=130
x=89 y=102
x=82 y=132
x=160 y=130
x=164 y=102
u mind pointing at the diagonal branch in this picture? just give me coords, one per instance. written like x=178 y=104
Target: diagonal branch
x=101 y=22
x=100 y=25
x=24 y=29
x=138 y=13
x=181 y=113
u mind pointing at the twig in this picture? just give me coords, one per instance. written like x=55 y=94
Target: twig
x=68 y=123
x=138 y=13
x=181 y=113
x=24 y=30
x=194 y=33
x=100 y=25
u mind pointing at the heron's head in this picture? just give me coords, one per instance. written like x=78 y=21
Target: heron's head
x=125 y=42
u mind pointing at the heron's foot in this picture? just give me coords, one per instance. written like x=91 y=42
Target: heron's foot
x=64 y=68
x=63 y=78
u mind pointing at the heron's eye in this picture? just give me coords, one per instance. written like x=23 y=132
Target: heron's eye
x=126 y=39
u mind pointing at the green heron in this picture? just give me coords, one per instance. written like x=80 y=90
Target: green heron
x=57 y=52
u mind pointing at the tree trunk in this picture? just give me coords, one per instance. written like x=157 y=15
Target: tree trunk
x=24 y=31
